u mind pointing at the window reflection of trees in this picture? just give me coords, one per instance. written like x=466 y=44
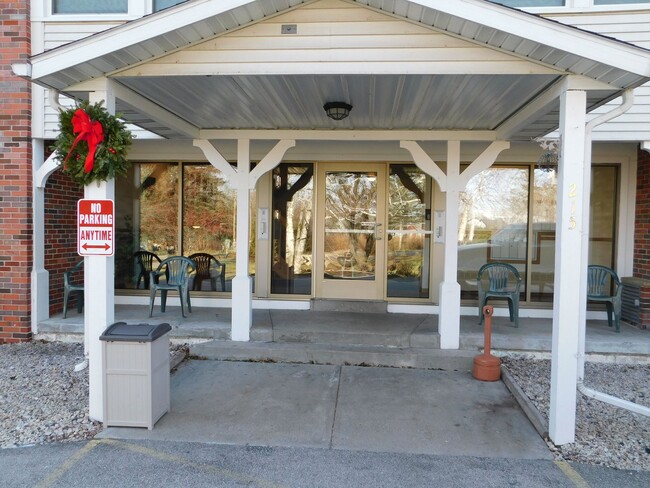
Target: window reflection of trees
x=292 y=229
x=159 y=209
x=208 y=212
x=408 y=246
x=351 y=207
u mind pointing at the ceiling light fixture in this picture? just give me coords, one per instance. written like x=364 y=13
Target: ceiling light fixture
x=337 y=110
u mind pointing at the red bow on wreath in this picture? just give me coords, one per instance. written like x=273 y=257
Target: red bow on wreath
x=89 y=131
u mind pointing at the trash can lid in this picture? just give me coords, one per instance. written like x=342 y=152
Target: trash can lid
x=121 y=331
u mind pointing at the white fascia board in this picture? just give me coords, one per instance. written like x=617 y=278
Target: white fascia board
x=348 y=135
x=129 y=34
x=539 y=105
x=549 y=33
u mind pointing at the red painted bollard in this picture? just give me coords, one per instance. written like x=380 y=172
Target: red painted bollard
x=486 y=366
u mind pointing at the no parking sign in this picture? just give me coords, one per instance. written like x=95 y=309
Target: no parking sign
x=95 y=228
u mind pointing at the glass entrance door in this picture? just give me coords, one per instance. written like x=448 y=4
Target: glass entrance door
x=351 y=213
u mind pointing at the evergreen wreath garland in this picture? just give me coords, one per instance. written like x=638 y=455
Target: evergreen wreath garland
x=90 y=126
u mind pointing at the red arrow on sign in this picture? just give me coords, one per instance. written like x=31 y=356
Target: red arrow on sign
x=104 y=246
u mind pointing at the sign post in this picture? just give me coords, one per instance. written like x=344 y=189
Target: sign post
x=95 y=227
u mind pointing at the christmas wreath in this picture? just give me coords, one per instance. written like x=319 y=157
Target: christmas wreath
x=92 y=144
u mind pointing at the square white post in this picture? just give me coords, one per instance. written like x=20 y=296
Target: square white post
x=568 y=266
x=40 y=276
x=99 y=289
x=242 y=303
x=449 y=318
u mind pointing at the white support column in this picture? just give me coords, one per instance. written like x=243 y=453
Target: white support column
x=242 y=302
x=99 y=289
x=452 y=183
x=449 y=318
x=40 y=276
x=568 y=266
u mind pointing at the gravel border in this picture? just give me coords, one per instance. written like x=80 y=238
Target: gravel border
x=605 y=435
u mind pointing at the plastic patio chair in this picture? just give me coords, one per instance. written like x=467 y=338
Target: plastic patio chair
x=503 y=281
x=69 y=286
x=600 y=280
x=177 y=269
x=204 y=271
x=145 y=261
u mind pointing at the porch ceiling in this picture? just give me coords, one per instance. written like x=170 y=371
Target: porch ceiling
x=428 y=102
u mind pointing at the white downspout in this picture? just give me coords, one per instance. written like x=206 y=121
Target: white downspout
x=612 y=400
x=628 y=101
x=53 y=98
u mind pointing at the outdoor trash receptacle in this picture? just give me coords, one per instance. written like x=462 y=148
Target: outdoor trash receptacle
x=136 y=374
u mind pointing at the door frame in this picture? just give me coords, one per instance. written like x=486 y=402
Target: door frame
x=350 y=289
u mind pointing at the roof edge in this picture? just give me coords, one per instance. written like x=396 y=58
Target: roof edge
x=545 y=31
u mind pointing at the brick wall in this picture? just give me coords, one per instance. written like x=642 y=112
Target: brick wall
x=15 y=175
x=642 y=237
x=642 y=219
x=61 y=196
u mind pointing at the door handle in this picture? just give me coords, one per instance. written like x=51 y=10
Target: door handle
x=378 y=232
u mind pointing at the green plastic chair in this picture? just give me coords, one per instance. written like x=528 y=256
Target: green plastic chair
x=501 y=280
x=203 y=262
x=145 y=262
x=600 y=281
x=69 y=286
x=177 y=270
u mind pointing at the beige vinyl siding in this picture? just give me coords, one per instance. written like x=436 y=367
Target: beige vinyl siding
x=632 y=27
x=333 y=36
x=56 y=34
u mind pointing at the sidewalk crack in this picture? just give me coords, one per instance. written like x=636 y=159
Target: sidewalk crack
x=336 y=406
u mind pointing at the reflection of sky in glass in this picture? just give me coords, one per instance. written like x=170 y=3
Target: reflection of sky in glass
x=535 y=3
x=498 y=193
x=90 y=6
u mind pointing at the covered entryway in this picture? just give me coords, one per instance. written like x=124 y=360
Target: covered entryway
x=445 y=85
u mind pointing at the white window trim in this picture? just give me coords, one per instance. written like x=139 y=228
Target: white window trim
x=42 y=11
x=586 y=6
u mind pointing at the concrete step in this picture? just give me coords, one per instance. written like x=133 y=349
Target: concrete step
x=456 y=360
x=364 y=329
x=359 y=306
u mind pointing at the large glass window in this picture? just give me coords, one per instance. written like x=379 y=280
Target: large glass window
x=531 y=3
x=543 y=239
x=146 y=218
x=292 y=229
x=172 y=209
x=161 y=4
x=618 y=2
x=493 y=225
x=408 y=232
x=209 y=220
x=90 y=6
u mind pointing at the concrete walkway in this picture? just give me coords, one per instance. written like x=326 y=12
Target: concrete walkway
x=388 y=330
x=342 y=407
